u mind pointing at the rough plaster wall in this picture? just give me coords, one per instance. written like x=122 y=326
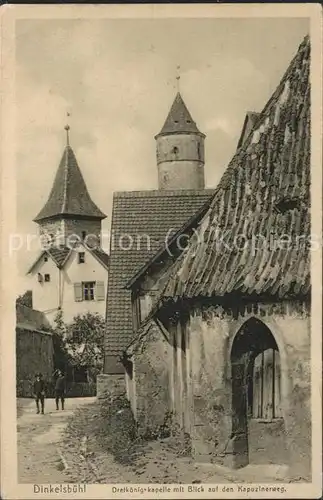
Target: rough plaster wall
x=296 y=334
x=184 y=169
x=189 y=147
x=211 y=394
x=267 y=443
x=152 y=380
x=181 y=175
x=211 y=339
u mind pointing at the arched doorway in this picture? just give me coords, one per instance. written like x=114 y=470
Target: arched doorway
x=257 y=421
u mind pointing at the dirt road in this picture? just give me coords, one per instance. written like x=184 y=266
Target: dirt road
x=43 y=456
x=39 y=439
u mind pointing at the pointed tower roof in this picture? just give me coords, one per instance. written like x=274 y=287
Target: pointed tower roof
x=69 y=194
x=179 y=119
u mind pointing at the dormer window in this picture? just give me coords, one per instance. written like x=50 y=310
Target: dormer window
x=81 y=257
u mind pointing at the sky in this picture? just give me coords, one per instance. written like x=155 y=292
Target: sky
x=117 y=79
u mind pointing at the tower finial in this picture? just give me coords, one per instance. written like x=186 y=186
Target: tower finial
x=178 y=77
x=67 y=128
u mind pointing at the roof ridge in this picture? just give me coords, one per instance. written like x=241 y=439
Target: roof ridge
x=158 y=193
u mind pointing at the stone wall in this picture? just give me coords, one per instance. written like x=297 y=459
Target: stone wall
x=65 y=228
x=111 y=384
x=34 y=353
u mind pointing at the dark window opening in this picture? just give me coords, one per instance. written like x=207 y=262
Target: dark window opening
x=287 y=204
x=83 y=235
x=175 y=121
x=81 y=257
x=199 y=150
x=45 y=258
x=47 y=277
x=188 y=121
x=88 y=290
x=175 y=151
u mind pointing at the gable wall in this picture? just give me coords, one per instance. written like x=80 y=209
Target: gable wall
x=47 y=297
x=45 y=294
x=72 y=273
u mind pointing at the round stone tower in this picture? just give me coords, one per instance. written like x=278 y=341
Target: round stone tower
x=180 y=150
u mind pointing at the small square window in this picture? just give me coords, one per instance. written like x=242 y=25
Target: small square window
x=81 y=257
x=47 y=277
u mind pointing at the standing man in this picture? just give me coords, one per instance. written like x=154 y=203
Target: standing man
x=60 y=389
x=39 y=392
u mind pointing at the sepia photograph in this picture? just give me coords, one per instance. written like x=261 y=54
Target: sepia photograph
x=163 y=244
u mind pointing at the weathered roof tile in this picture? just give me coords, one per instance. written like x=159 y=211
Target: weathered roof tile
x=262 y=197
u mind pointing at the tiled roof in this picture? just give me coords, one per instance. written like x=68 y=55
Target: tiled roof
x=179 y=119
x=145 y=218
x=59 y=254
x=69 y=194
x=102 y=257
x=263 y=196
x=30 y=319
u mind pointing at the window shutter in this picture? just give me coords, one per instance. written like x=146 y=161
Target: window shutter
x=99 y=292
x=78 y=295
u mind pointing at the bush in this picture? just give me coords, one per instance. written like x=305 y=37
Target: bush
x=111 y=425
x=74 y=389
